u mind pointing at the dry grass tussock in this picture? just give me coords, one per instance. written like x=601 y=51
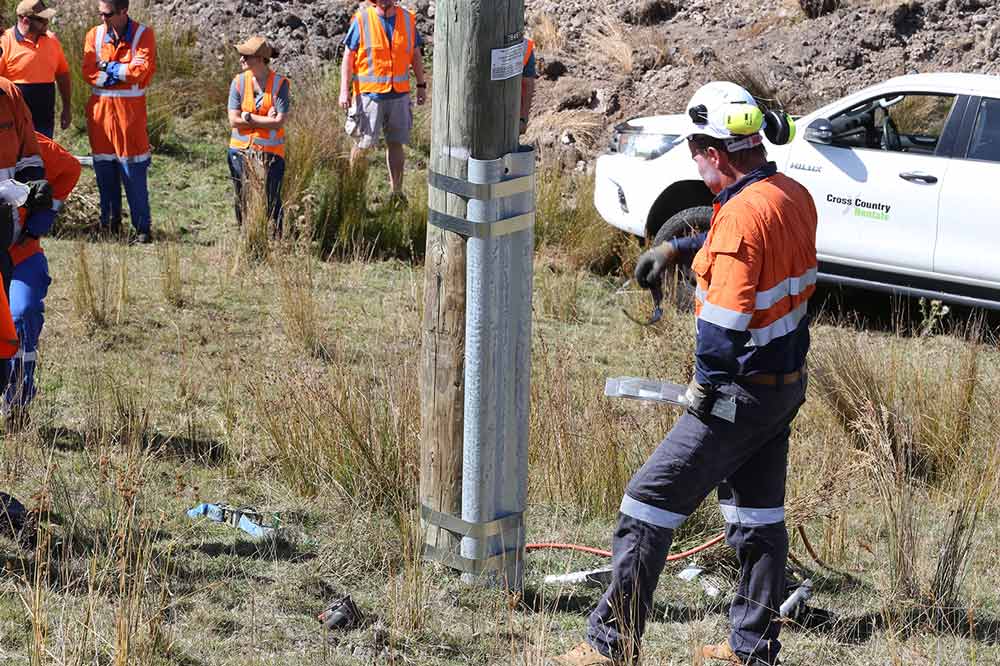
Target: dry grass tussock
x=545 y=31
x=608 y=39
x=927 y=435
x=568 y=229
x=101 y=293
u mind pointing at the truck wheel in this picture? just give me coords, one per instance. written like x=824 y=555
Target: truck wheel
x=688 y=222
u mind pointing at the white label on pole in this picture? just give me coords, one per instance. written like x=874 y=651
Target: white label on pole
x=507 y=63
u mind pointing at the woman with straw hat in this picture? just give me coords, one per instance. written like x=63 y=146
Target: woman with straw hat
x=258 y=110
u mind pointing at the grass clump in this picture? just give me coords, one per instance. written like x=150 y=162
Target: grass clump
x=568 y=227
x=100 y=297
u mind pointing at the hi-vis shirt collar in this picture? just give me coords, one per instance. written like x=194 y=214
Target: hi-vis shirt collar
x=20 y=38
x=757 y=174
x=127 y=37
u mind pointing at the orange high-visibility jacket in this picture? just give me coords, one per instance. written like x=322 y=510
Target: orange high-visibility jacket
x=268 y=140
x=27 y=61
x=380 y=67
x=758 y=265
x=62 y=170
x=116 y=115
x=18 y=150
x=529 y=48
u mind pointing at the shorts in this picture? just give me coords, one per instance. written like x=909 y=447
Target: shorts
x=371 y=117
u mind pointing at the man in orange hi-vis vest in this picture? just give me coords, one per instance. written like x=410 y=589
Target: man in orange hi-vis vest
x=119 y=59
x=528 y=77
x=756 y=270
x=30 y=279
x=381 y=47
x=19 y=160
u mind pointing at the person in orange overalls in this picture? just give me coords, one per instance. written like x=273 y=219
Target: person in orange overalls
x=20 y=160
x=33 y=59
x=119 y=60
x=30 y=280
x=258 y=110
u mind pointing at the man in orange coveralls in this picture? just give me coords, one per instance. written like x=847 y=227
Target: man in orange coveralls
x=119 y=59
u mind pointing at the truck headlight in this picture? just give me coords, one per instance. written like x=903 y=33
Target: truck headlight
x=642 y=145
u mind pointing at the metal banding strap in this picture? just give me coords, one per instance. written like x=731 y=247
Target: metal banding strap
x=462 y=528
x=465 y=227
x=466 y=565
x=488 y=181
x=479 y=531
x=484 y=191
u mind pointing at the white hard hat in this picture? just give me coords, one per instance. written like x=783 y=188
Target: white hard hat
x=724 y=110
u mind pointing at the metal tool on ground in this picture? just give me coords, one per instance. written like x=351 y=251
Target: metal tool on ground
x=656 y=291
x=655 y=390
x=246 y=519
x=797 y=600
x=341 y=614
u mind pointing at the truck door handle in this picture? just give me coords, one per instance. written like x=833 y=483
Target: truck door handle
x=917 y=177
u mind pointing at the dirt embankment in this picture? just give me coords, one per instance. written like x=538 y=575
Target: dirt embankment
x=601 y=63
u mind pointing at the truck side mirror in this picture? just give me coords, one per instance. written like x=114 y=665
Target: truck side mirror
x=820 y=131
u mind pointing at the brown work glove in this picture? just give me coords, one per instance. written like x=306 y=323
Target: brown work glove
x=652 y=263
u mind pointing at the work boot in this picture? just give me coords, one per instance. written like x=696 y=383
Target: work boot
x=583 y=654
x=721 y=652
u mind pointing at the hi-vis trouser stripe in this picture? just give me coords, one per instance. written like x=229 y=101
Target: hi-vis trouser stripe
x=100 y=37
x=737 y=515
x=653 y=515
x=108 y=157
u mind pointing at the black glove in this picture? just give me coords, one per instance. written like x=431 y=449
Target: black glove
x=102 y=65
x=39 y=196
x=649 y=269
x=700 y=399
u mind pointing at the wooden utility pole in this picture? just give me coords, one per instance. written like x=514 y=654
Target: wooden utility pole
x=474 y=115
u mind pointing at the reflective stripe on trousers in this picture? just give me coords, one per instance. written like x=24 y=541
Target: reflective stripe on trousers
x=746 y=462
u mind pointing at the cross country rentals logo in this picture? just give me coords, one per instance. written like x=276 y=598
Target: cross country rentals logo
x=872 y=210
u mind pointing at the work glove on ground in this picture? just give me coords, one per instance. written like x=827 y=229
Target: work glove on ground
x=652 y=263
x=699 y=398
x=39 y=196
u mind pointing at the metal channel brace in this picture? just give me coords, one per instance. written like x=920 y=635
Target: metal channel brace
x=483 y=562
x=489 y=180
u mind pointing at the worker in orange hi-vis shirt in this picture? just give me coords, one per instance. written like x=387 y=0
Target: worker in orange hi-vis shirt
x=30 y=279
x=34 y=59
x=19 y=161
x=119 y=59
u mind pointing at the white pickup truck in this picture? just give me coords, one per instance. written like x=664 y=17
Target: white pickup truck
x=905 y=175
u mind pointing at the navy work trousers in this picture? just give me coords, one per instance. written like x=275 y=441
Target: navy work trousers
x=274 y=167
x=747 y=462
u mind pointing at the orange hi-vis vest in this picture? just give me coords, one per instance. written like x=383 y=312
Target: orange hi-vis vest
x=381 y=67
x=757 y=268
x=529 y=48
x=259 y=138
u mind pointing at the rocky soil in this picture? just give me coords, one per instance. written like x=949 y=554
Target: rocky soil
x=605 y=62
